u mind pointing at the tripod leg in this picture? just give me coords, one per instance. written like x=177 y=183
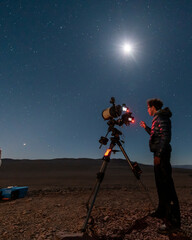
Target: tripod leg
x=100 y=177
x=137 y=172
x=134 y=166
x=125 y=154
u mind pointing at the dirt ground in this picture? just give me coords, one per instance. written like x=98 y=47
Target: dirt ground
x=53 y=207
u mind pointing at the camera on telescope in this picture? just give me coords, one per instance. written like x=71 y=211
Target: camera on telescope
x=115 y=111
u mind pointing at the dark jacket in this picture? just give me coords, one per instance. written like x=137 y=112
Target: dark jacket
x=160 y=132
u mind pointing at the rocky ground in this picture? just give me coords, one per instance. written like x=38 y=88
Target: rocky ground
x=118 y=213
x=59 y=190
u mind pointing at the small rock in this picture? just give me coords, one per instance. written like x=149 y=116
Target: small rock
x=106 y=218
x=66 y=235
x=58 y=205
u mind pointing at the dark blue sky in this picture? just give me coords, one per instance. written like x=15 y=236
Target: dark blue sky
x=61 y=62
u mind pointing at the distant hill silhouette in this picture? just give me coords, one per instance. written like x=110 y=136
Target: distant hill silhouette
x=118 y=161
x=79 y=172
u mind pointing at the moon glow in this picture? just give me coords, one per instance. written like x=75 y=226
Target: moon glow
x=127 y=48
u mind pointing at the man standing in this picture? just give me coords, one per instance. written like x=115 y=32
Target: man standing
x=159 y=143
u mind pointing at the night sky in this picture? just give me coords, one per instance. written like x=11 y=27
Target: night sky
x=62 y=61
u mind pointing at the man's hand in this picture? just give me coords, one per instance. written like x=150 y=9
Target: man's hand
x=157 y=160
x=143 y=124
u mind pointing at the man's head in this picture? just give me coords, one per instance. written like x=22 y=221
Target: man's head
x=153 y=105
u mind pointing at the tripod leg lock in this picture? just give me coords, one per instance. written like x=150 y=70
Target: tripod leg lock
x=136 y=170
x=106 y=158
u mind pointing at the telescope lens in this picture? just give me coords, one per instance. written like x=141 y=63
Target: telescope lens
x=106 y=114
x=112 y=112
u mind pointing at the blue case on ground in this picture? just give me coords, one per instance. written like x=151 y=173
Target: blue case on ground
x=13 y=192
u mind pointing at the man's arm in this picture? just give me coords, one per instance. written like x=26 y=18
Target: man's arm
x=147 y=129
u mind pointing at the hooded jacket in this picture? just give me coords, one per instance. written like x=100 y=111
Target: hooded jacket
x=160 y=132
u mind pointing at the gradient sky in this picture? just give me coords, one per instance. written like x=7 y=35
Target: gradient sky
x=61 y=62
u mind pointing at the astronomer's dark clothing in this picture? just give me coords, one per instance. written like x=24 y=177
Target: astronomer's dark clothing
x=168 y=201
x=160 y=132
x=160 y=137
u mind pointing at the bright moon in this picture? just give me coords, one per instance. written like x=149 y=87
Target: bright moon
x=127 y=48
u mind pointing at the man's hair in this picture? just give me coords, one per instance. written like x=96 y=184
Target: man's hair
x=157 y=103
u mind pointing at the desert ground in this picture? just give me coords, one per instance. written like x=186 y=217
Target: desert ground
x=59 y=190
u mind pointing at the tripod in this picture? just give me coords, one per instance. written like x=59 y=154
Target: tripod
x=115 y=140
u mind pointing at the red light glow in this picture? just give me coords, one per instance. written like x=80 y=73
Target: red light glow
x=107 y=153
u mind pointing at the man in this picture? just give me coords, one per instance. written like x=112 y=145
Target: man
x=160 y=137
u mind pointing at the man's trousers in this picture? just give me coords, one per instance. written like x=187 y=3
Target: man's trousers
x=168 y=200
